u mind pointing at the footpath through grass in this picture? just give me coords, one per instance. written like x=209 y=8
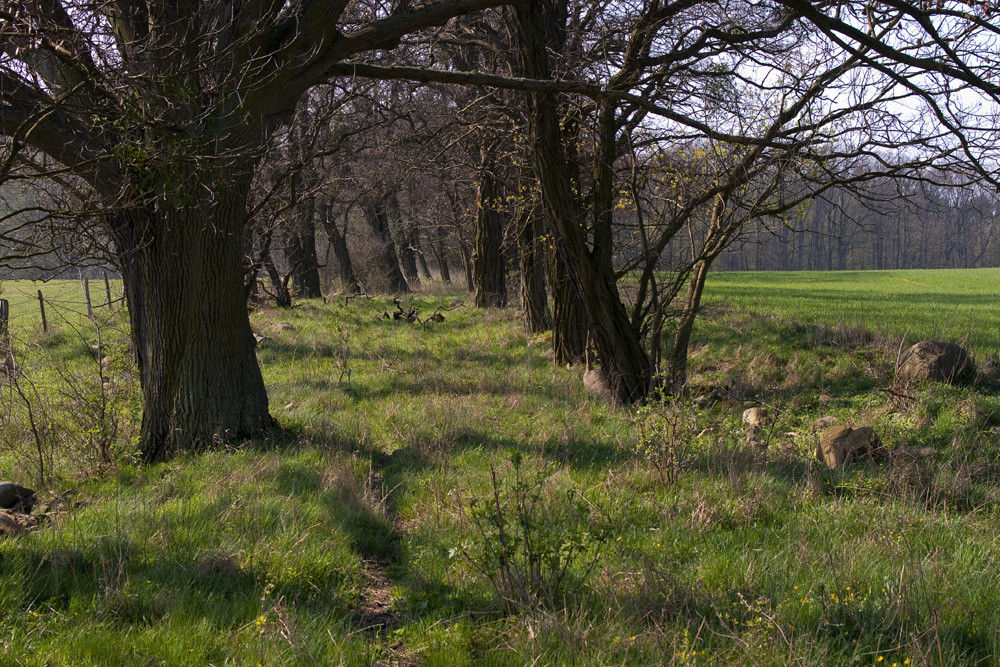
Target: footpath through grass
x=444 y=495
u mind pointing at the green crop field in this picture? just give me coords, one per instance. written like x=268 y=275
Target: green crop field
x=929 y=304
x=442 y=494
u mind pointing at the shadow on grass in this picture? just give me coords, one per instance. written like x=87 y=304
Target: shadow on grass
x=854 y=629
x=114 y=582
x=364 y=512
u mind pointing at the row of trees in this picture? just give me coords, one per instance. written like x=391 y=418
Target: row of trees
x=924 y=226
x=607 y=152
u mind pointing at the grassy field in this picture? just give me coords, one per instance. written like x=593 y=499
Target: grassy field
x=456 y=499
x=928 y=304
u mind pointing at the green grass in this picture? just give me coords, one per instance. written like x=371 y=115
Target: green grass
x=923 y=304
x=363 y=529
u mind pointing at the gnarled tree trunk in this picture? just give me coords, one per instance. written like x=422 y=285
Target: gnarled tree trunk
x=624 y=360
x=195 y=351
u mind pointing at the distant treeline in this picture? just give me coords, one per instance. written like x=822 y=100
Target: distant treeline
x=922 y=226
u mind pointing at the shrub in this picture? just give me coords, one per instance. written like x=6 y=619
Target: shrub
x=667 y=426
x=535 y=544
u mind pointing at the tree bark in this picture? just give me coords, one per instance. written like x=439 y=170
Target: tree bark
x=282 y=297
x=489 y=280
x=569 y=317
x=338 y=243
x=401 y=238
x=624 y=360
x=377 y=215
x=303 y=259
x=677 y=371
x=201 y=384
x=463 y=247
x=534 y=305
x=414 y=241
x=441 y=254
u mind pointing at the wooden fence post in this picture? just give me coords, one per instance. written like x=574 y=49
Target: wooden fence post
x=41 y=306
x=107 y=289
x=86 y=294
x=4 y=318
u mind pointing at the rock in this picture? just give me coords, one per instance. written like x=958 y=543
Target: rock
x=754 y=419
x=13 y=524
x=933 y=361
x=840 y=445
x=16 y=497
x=9 y=526
x=595 y=382
x=754 y=416
x=821 y=423
x=544 y=338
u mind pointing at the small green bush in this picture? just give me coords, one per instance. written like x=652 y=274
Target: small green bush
x=534 y=543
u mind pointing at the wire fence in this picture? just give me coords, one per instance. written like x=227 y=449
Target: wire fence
x=29 y=305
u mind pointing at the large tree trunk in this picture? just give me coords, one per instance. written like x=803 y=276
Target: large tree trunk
x=624 y=360
x=489 y=280
x=569 y=317
x=377 y=213
x=201 y=384
x=534 y=306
